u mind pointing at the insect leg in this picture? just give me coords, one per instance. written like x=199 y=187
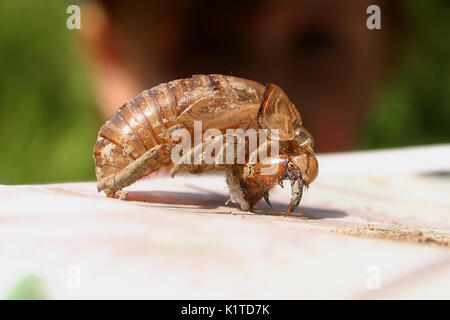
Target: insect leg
x=253 y=170
x=150 y=161
x=189 y=160
x=223 y=158
x=297 y=192
x=268 y=173
x=237 y=193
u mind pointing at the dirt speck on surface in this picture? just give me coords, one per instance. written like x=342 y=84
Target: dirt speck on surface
x=403 y=235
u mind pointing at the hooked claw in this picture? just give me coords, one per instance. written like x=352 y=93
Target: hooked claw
x=266 y=197
x=297 y=192
x=301 y=170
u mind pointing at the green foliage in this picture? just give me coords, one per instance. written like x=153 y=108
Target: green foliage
x=48 y=121
x=29 y=287
x=414 y=106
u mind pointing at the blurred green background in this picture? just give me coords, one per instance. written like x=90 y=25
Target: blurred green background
x=413 y=107
x=49 y=119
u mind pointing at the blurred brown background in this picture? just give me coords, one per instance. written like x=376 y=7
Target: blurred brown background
x=320 y=52
x=355 y=87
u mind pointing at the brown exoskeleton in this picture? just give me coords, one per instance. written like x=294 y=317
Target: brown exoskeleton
x=137 y=140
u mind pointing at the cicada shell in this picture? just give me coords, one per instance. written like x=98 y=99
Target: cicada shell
x=138 y=139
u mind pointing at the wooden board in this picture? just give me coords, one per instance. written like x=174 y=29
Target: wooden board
x=374 y=225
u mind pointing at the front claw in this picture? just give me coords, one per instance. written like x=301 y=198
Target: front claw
x=273 y=171
x=266 y=197
x=297 y=192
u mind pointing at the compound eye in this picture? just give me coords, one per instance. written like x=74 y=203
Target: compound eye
x=304 y=137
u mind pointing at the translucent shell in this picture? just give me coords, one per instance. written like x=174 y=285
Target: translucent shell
x=279 y=113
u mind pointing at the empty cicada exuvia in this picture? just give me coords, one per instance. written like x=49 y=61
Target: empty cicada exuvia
x=137 y=140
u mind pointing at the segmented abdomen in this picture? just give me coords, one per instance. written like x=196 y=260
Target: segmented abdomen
x=143 y=122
